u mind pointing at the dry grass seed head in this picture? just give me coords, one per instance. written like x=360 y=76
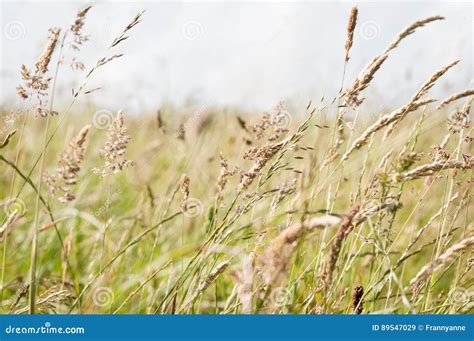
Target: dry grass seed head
x=69 y=166
x=38 y=82
x=115 y=147
x=351 y=25
x=460 y=119
x=276 y=257
x=455 y=97
x=76 y=28
x=357 y=302
x=223 y=177
x=365 y=77
x=70 y=159
x=442 y=261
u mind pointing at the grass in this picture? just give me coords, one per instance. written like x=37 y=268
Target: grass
x=321 y=208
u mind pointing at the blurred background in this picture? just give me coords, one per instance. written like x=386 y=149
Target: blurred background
x=248 y=55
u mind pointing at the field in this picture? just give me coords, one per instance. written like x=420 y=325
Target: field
x=310 y=208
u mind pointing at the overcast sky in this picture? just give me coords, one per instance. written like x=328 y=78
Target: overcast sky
x=249 y=54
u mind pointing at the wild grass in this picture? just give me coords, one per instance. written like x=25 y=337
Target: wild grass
x=315 y=209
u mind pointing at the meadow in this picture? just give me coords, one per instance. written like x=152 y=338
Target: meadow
x=309 y=208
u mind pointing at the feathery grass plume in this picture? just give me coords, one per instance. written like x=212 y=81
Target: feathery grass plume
x=411 y=29
x=460 y=119
x=455 y=97
x=7 y=139
x=405 y=160
x=115 y=147
x=382 y=122
x=351 y=25
x=37 y=83
x=123 y=36
x=431 y=168
x=432 y=81
x=284 y=190
x=390 y=205
x=48 y=301
x=43 y=62
x=105 y=60
x=357 y=302
x=355 y=217
x=442 y=261
x=261 y=126
x=424 y=89
x=69 y=165
x=260 y=156
x=76 y=29
x=57 y=188
x=439 y=154
x=276 y=256
x=79 y=38
x=363 y=80
x=278 y=120
x=223 y=177
x=365 y=77
x=344 y=229
x=396 y=116
x=206 y=283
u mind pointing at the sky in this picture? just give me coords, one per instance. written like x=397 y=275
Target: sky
x=248 y=54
